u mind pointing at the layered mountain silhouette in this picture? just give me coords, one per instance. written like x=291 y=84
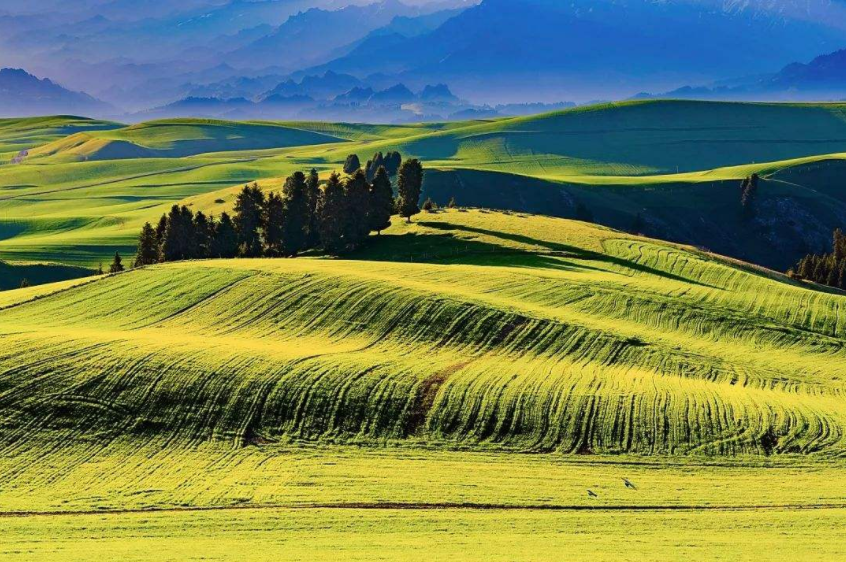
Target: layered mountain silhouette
x=22 y=94
x=821 y=79
x=512 y=48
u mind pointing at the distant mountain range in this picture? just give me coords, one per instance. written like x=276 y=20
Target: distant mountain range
x=160 y=54
x=514 y=49
x=335 y=96
x=22 y=94
x=822 y=79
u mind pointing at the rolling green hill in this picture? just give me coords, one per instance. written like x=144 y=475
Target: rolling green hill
x=176 y=138
x=386 y=402
x=668 y=169
x=499 y=322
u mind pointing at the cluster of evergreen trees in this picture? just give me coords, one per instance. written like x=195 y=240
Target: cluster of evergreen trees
x=825 y=269
x=337 y=217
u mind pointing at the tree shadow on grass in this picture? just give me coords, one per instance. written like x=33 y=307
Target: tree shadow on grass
x=558 y=250
x=448 y=249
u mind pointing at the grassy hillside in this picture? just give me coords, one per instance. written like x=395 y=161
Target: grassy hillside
x=175 y=138
x=469 y=328
x=669 y=168
x=637 y=139
x=25 y=133
x=291 y=406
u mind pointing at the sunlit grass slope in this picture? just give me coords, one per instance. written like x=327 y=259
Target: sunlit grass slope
x=79 y=197
x=25 y=133
x=466 y=329
x=178 y=137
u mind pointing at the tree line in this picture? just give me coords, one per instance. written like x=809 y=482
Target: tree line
x=336 y=216
x=825 y=269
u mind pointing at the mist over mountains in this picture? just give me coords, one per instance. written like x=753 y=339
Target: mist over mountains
x=153 y=56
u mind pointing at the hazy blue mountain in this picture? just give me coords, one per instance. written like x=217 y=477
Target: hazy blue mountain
x=313 y=36
x=534 y=49
x=822 y=79
x=22 y=94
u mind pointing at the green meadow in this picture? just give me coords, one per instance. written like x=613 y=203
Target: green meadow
x=472 y=385
x=528 y=384
x=87 y=187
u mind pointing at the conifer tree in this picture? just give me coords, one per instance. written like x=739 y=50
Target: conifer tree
x=352 y=164
x=225 y=242
x=160 y=232
x=313 y=193
x=273 y=219
x=373 y=166
x=382 y=201
x=148 y=247
x=116 y=266
x=248 y=220
x=331 y=213
x=203 y=231
x=359 y=210
x=179 y=236
x=296 y=215
x=410 y=187
x=392 y=162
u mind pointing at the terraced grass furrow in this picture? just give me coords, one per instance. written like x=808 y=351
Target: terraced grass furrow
x=559 y=337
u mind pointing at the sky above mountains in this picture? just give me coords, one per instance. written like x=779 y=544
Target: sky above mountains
x=137 y=55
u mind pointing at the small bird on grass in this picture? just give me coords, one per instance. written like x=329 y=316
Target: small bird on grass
x=628 y=484
x=592 y=494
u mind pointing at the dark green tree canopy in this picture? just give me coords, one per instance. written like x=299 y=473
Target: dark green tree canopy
x=249 y=207
x=148 y=247
x=352 y=164
x=273 y=220
x=117 y=265
x=410 y=188
x=296 y=218
x=382 y=201
x=225 y=242
x=331 y=213
x=313 y=194
x=357 y=220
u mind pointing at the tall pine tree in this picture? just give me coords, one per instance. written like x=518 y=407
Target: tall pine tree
x=203 y=234
x=273 y=223
x=313 y=193
x=352 y=164
x=225 y=242
x=382 y=201
x=248 y=219
x=357 y=220
x=296 y=215
x=331 y=215
x=179 y=235
x=148 y=247
x=409 y=188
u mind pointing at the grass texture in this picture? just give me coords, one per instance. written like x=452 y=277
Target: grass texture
x=87 y=186
x=383 y=406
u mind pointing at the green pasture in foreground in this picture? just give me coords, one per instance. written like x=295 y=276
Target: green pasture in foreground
x=337 y=503
x=87 y=187
x=453 y=391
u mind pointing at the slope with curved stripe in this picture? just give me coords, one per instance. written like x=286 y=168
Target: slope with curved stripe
x=505 y=331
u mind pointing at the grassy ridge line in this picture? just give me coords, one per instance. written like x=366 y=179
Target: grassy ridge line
x=640 y=347
x=87 y=210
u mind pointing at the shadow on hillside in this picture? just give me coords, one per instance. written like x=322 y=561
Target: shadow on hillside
x=558 y=250
x=447 y=248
